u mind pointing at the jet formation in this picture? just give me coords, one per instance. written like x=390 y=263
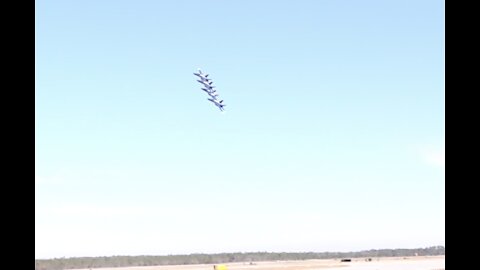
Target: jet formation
x=210 y=89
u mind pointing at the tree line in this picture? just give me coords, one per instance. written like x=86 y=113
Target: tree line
x=124 y=261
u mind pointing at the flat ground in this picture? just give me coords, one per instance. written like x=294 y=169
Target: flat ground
x=396 y=263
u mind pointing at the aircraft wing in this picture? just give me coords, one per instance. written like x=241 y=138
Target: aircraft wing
x=207 y=82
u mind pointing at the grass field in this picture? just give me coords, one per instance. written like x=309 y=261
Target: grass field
x=395 y=263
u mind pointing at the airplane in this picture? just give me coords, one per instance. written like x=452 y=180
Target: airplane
x=208 y=87
x=206 y=83
x=219 y=104
x=209 y=90
x=213 y=93
x=200 y=74
x=203 y=77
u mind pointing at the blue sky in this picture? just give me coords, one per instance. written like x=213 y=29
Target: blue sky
x=332 y=139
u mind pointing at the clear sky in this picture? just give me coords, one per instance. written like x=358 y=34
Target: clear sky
x=332 y=138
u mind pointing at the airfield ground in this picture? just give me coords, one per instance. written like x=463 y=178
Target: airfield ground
x=394 y=263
